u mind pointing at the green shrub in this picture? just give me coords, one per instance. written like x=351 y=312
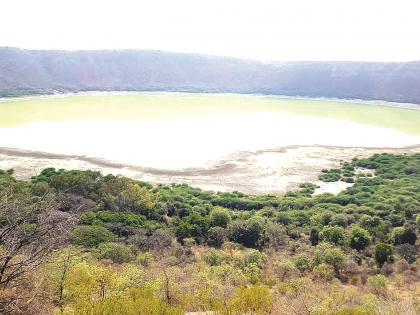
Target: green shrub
x=125 y=218
x=194 y=225
x=91 y=236
x=324 y=272
x=145 y=259
x=377 y=283
x=303 y=262
x=220 y=217
x=246 y=232
x=253 y=256
x=117 y=252
x=5 y=178
x=359 y=238
x=314 y=236
x=216 y=236
x=40 y=188
x=408 y=252
x=285 y=269
x=327 y=254
x=333 y=234
x=332 y=175
x=339 y=219
x=256 y=299
x=214 y=257
x=403 y=235
x=253 y=273
x=383 y=253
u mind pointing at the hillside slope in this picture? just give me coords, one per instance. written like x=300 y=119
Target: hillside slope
x=31 y=72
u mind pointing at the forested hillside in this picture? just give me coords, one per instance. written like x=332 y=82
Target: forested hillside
x=78 y=242
x=25 y=72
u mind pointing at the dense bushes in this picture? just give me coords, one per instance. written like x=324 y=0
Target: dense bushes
x=260 y=245
x=383 y=208
x=346 y=174
x=330 y=175
x=6 y=177
x=118 y=253
x=100 y=217
x=91 y=236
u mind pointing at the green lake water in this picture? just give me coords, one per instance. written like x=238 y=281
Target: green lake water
x=156 y=106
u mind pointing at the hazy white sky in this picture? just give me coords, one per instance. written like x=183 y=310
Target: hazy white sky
x=380 y=30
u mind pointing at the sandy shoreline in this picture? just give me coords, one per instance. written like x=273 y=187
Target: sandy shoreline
x=264 y=171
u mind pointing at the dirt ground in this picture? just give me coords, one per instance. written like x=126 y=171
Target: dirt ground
x=266 y=171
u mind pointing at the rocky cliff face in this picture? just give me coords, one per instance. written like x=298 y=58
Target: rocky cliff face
x=32 y=72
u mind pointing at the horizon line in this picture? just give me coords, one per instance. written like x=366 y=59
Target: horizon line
x=206 y=55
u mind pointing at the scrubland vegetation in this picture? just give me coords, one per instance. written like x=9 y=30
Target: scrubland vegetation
x=78 y=242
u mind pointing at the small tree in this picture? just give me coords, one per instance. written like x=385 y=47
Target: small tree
x=285 y=269
x=246 y=232
x=92 y=235
x=118 y=253
x=324 y=272
x=403 y=235
x=360 y=238
x=216 y=236
x=377 y=284
x=333 y=234
x=383 y=253
x=137 y=199
x=57 y=273
x=314 y=236
x=303 y=262
x=30 y=231
x=327 y=254
x=220 y=217
x=275 y=235
x=407 y=251
x=214 y=257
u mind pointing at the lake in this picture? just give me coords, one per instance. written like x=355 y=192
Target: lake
x=182 y=132
x=140 y=107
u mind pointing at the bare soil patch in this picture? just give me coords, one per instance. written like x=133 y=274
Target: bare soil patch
x=265 y=171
